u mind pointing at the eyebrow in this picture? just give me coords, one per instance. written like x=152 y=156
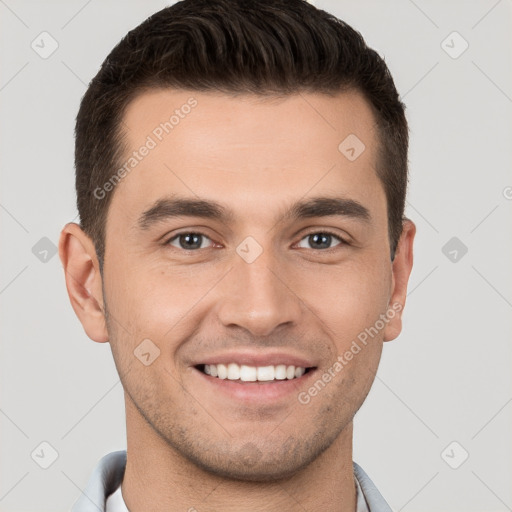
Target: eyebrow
x=175 y=206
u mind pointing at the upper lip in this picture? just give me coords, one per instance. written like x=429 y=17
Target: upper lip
x=252 y=358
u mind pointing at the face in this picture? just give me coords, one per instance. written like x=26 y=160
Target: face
x=245 y=236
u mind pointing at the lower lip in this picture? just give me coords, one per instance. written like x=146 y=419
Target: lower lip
x=259 y=391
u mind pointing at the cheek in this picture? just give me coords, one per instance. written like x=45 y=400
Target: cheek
x=147 y=302
x=348 y=298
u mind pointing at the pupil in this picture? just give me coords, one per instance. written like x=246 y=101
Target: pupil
x=320 y=239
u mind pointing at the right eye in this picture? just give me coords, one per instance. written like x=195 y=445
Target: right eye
x=188 y=241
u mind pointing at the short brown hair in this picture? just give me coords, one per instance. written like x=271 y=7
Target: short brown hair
x=263 y=47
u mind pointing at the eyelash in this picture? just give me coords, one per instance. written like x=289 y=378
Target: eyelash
x=323 y=232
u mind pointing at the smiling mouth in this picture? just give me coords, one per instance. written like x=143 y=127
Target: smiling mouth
x=246 y=373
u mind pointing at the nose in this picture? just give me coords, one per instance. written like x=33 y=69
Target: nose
x=257 y=296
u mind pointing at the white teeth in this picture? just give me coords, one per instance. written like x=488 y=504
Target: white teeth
x=299 y=371
x=280 y=372
x=265 y=373
x=233 y=371
x=222 y=371
x=247 y=373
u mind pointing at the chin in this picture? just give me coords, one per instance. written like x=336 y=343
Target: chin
x=249 y=463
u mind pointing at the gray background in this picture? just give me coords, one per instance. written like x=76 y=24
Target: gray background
x=445 y=379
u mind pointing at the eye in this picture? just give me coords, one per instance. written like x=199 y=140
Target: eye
x=188 y=241
x=321 y=240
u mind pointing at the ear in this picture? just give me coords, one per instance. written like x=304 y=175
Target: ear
x=402 y=266
x=83 y=280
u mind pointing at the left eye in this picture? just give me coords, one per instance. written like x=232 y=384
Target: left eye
x=321 y=240
x=188 y=241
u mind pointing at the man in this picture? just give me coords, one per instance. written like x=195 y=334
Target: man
x=241 y=171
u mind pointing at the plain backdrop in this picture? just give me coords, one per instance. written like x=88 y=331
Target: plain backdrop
x=435 y=431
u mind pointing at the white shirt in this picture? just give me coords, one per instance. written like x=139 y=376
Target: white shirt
x=103 y=490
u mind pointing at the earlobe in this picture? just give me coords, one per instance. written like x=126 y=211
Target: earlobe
x=402 y=266
x=83 y=280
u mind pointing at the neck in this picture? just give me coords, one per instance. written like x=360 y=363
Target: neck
x=158 y=478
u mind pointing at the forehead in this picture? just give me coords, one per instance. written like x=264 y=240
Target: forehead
x=247 y=150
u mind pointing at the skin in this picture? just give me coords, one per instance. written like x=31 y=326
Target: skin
x=255 y=157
